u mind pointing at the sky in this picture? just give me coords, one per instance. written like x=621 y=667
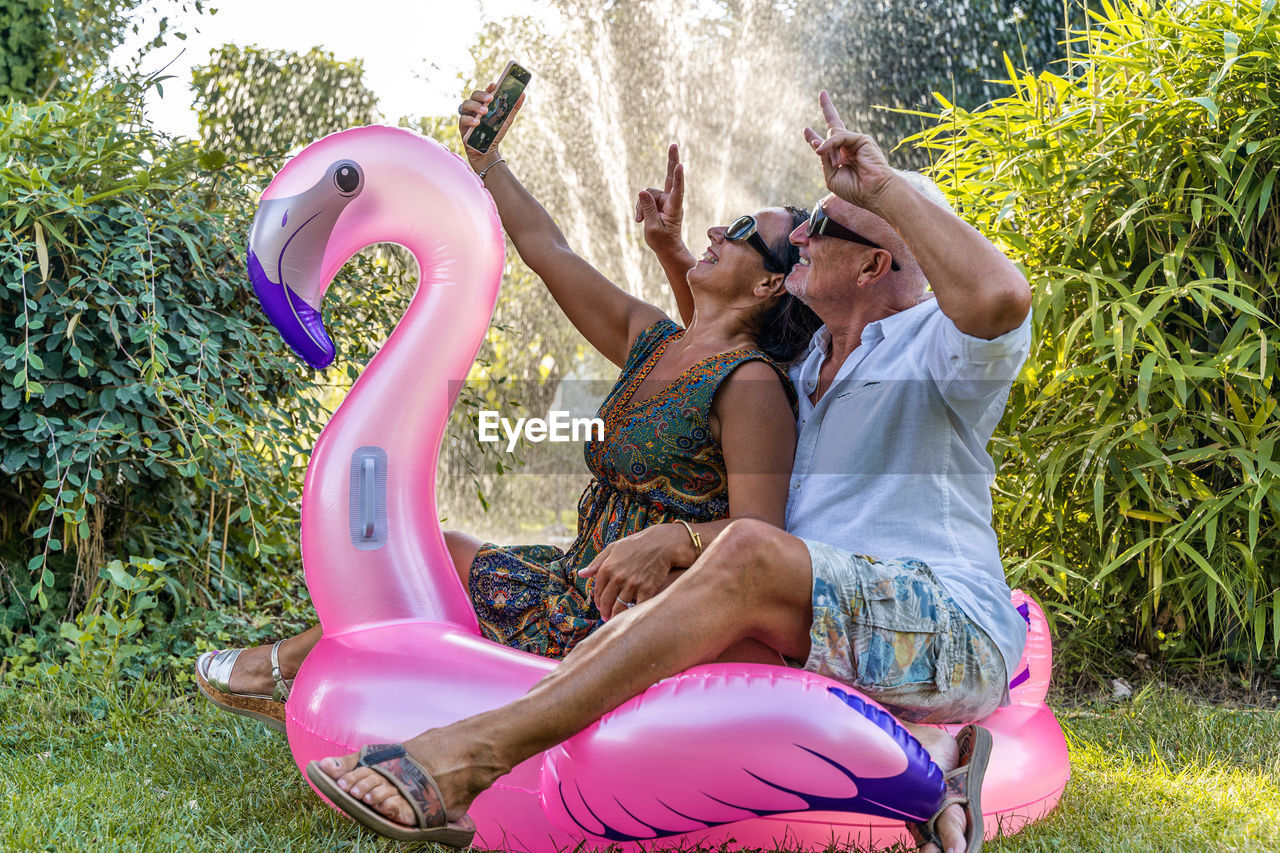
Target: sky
x=412 y=51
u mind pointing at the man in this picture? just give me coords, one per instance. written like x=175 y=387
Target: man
x=899 y=395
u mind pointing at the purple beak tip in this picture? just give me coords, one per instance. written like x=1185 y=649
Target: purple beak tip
x=301 y=326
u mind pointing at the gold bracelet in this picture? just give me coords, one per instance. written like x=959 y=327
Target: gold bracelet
x=693 y=537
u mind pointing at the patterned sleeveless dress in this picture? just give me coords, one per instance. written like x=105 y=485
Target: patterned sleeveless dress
x=658 y=462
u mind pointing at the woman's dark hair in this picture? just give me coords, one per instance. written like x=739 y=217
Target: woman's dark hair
x=787 y=327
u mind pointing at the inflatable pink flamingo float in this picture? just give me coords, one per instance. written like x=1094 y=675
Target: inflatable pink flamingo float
x=748 y=755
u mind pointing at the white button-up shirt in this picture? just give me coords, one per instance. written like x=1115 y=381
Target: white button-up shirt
x=892 y=461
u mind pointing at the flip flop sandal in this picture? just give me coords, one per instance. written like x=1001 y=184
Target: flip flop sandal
x=414 y=783
x=213 y=677
x=964 y=788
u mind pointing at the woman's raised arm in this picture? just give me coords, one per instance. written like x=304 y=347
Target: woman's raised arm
x=606 y=315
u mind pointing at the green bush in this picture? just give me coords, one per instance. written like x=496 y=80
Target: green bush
x=1139 y=489
x=52 y=47
x=144 y=407
x=254 y=101
x=147 y=411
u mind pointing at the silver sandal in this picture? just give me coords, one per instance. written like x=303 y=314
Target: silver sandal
x=213 y=677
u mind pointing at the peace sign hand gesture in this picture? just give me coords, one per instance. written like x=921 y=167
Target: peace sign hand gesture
x=853 y=165
x=662 y=210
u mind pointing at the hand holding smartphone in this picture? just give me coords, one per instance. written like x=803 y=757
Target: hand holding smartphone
x=510 y=87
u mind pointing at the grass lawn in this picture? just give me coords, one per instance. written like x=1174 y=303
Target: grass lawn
x=155 y=772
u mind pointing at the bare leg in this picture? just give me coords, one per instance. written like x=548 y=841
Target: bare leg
x=749 y=594
x=743 y=651
x=752 y=584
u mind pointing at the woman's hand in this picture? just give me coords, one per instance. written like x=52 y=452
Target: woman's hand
x=469 y=113
x=662 y=210
x=635 y=568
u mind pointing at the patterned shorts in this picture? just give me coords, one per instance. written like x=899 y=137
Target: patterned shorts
x=890 y=629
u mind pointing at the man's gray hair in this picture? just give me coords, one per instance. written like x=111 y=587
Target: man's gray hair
x=926 y=188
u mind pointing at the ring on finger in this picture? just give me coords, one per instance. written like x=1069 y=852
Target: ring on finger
x=626 y=603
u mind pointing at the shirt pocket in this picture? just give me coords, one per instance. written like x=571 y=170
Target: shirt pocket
x=860 y=389
x=902 y=637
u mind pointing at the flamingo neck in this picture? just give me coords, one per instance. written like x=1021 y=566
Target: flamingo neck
x=372 y=546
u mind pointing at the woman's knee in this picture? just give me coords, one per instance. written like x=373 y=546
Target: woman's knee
x=462 y=550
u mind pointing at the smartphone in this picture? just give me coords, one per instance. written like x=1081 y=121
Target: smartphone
x=510 y=87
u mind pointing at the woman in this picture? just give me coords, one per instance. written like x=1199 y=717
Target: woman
x=699 y=430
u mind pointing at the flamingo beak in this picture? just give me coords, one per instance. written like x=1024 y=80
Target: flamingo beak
x=286 y=252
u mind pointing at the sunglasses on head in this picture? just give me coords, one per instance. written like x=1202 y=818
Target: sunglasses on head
x=743 y=230
x=822 y=225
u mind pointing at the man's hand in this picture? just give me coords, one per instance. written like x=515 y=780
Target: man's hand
x=853 y=165
x=662 y=211
x=634 y=568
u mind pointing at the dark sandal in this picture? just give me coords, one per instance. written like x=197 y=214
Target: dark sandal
x=964 y=788
x=414 y=783
x=213 y=677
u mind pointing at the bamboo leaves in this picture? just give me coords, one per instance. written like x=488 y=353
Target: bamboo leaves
x=1145 y=461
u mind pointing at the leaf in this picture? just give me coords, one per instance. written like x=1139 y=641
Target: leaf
x=1179 y=379
x=1208 y=105
x=191 y=248
x=42 y=253
x=1144 y=381
x=1128 y=554
x=1264 y=199
x=1186 y=549
x=1275 y=625
x=1145 y=515
x=1230 y=45
x=121 y=578
x=212 y=160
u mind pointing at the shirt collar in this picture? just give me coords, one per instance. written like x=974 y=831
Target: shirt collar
x=887 y=327
x=820 y=341
x=873 y=332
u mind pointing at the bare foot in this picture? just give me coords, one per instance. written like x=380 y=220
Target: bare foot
x=951 y=824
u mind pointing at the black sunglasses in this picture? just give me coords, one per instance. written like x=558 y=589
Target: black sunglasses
x=821 y=224
x=743 y=230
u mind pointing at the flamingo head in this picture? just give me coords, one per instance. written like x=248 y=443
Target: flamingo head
x=287 y=246
x=356 y=188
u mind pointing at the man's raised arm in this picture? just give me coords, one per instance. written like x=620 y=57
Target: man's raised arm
x=976 y=285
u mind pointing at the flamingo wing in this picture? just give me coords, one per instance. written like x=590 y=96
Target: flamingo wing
x=724 y=743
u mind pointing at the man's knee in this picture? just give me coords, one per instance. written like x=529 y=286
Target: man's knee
x=749 y=555
x=763 y=575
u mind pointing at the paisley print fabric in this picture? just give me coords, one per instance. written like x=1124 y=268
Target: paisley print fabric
x=658 y=462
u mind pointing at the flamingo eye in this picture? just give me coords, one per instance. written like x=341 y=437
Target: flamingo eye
x=347 y=178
